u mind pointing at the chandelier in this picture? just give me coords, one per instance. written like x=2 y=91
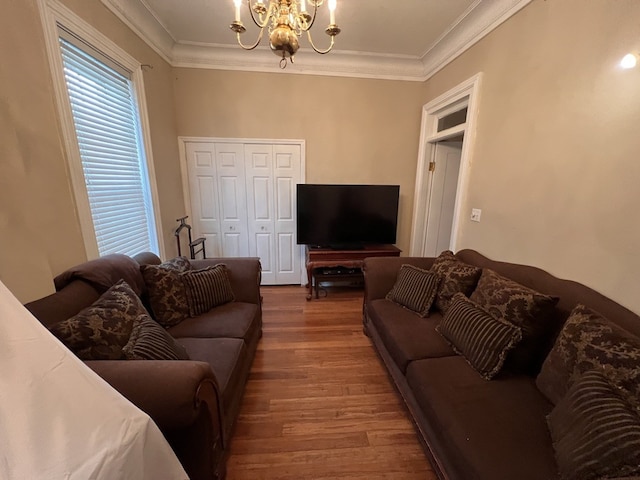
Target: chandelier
x=286 y=20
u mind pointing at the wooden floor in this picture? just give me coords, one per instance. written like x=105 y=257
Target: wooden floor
x=319 y=403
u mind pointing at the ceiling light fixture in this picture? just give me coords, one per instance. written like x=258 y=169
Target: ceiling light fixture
x=628 y=61
x=286 y=20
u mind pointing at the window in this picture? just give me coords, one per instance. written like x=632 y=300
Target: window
x=107 y=126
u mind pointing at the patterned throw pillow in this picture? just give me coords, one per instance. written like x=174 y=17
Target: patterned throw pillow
x=207 y=288
x=588 y=341
x=149 y=341
x=415 y=289
x=166 y=292
x=483 y=340
x=595 y=433
x=455 y=276
x=532 y=311
x=100 y=331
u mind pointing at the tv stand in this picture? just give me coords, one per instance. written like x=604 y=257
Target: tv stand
x=318 y=257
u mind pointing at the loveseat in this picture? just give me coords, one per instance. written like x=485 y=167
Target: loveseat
x=194 y=399
x=499 y=429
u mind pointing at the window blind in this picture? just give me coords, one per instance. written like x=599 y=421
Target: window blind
x=107 y=127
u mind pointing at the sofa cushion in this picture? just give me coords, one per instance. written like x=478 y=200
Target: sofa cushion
x=415 y=289
x=166 y=292
x=595 y=432
x=233 y=320
x=480 y=429
x=483 y=340
x=406 y=336
x=206 y=288
x=149 y=341
x=530 y=310
x=230 y=363
x=455 y=276
x=100 y=331
x=589 y=341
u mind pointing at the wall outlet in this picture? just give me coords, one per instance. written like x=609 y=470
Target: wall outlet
x=475 y=214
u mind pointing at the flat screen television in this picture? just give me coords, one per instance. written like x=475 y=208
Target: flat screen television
x=347 y=216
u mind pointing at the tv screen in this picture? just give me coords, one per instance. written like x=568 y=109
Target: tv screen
x=347 y=216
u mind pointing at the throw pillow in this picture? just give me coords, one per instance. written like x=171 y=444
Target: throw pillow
x=595 y=433
x=415 y=289
x=455 y=276
x=589 y=341
x=532 y=311
x=483 y=340
x=100 y=331
x=149 y=341
x=166 y=292
x=207 y=288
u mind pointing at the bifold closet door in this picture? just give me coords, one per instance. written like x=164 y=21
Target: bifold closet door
x=218 y=200
x=272 y=172
x=243 y=203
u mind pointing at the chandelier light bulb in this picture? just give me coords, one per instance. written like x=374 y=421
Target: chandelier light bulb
x=332 y=12
x=237 y=4
x=629 y=61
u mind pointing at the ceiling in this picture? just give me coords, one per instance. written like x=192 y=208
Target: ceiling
x=400 y=39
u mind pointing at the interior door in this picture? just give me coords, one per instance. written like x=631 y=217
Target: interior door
x=287 y=173
x=442 y=197
x=272 y=172
x=201 y=164
x=232 y=200
x=260 y=208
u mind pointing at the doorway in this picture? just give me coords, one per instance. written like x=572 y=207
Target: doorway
x=446 y=138
x=445 y=168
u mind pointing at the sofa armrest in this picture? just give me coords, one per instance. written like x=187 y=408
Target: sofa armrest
x=171 y=392
x=380 y=273
x=244 y=274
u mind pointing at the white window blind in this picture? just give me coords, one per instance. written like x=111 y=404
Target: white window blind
x=107 y=126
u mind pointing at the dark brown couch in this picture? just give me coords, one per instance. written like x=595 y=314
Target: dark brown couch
x=194 y=402
x=472 y=428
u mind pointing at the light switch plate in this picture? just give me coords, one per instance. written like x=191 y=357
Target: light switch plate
x=475 y=214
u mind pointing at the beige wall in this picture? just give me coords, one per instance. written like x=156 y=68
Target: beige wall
x=39 y=229
x=555 y=169
x=356 y=130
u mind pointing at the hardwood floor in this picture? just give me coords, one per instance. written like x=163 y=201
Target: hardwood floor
x=319 y=403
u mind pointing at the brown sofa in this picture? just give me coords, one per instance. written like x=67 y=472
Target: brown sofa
x=472 y=428
x=194 y=402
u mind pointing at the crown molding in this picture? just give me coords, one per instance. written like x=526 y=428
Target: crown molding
x=482 y=17
x=138 y=17
x=476 y=23
x=337 y=64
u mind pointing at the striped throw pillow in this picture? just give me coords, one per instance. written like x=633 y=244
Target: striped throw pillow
x=415 y=289
x=149 y=341
x=596 y=434
x=483 y=340
x=207 y=288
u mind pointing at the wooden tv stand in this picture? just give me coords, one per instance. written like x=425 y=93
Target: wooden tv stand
x=327 y=257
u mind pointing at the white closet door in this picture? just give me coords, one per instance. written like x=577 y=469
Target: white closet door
x=260 y=208
x=286 y=174
x=232 y=203
x=243 y=201
x=201 y=164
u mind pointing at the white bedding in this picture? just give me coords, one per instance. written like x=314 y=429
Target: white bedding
x=59 y=420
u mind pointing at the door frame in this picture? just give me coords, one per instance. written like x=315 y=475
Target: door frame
x=184 y=171
x=464 y=94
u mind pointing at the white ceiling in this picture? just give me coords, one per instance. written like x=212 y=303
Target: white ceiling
x=399 y=39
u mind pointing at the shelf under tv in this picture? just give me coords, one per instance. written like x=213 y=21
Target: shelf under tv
x=318 y=257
